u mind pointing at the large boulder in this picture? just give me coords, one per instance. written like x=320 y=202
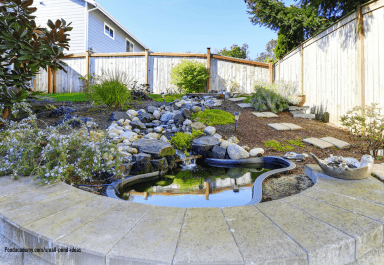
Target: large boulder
x=156 y=148
x=236 y=152
x=141 y=157
x=145 y=117
x=159 y=164
x=204 y=145
x=218 y=152
x=198 y=126
x=141 y=168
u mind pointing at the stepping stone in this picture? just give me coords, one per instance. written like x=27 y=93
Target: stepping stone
x=265 y=114
x=244 y=105
x=378 y=170
x=318 y=142
x=298 y=108
x=279 y=127
x=298 y=112
x=338 y=143
x=237 y=99
x=305 y=116
x=292 y=126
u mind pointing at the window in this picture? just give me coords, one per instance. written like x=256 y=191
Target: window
x=128 y=46
x=109 y=31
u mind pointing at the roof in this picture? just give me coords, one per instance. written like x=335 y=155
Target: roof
x=105 y=12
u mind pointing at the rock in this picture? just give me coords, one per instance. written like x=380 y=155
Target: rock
x=225 y=144
x=159 y=129
x=164 y=139
x=171 y=159
x=126 y=122
x=128 y=127
x=126 y=156
x=115 y=116
x=186 y=113
x=129 y=149
x=115 y=131
x=236 y=152
x=126 y=142
x=246 y=148
x=178 y=119
x=210 y=130
x=187 y=122
x=141 y=157
x=256 y=152
x=130 y=136
x=145 y=117
x=166 y=117
x=151 y=109
x=159 y=164
x=135 y=119
x=233 y=140
x=120 y=122
x=113 y=135
x=171 y=121
x=117 y=139
x=132 y=113
x=138 y=125
x=198 y=126
x=218 y=152
x=141 y=168
x=175 y=129
x=157 y=114
x=126 y=168
x=196 y=109
x=152 y=136
x=156 y=148
x=136 y=130
x=204 y=145
x=218 y=136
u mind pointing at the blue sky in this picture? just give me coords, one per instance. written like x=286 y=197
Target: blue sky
x=190 y=25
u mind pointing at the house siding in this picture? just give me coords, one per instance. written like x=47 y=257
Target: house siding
x=100 y=42
x=71 y=11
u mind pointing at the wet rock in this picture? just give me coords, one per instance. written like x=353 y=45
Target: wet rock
x=145 y=117
x=115 y=116
x=159 y=164
x=218 y=152
x=236 y=152
x=138 y=125
x=210 y=130
x=156 y=148
x=198 y=126
x=141 y=168
x=141 y=157
x=204 y=145
x=256 y=152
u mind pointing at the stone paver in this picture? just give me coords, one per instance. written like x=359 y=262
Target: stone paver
x=323 y=243
x=378 y=170
x=298 y=108
x=244 y=105
x=317 y=142
x=336 y=142
x=265 y=241
x=205 y=238
x=265 y=115
x=304 y=116
x=237 y=99
x=279 y=127
x=292 y=126
x=259 y=114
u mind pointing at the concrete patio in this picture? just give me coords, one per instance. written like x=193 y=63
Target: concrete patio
x=334 y=222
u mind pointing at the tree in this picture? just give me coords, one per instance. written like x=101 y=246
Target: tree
x=269 y=54
x=27 y=48
x=236 y=51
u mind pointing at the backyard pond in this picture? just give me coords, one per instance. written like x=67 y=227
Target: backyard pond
x=196 y=185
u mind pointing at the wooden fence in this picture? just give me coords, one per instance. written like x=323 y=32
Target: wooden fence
x=343 y=66
x=153 y=69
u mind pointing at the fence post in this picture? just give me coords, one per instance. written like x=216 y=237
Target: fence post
x=146 y=70
x=270 y=72
x=208 y=66
x=54 y=81
x=49 y=80
x=302 y=69
x=360 y=56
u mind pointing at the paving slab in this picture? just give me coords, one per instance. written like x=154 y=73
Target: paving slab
x=245 y=105
x=378 y=170
x=237 y=99
x=152 y=241
x=265 y=241
x=317 y=142
x=336 y=142
x=292 y=126
x=298 y=111
x=279 y=127
x=298 y=108
x=323 y=243
x=205 y=239
x=270 y=114
x=367 y=233
x=304 y=116
x=259 y=114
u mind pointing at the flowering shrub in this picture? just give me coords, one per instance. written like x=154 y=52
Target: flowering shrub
x=51 y=156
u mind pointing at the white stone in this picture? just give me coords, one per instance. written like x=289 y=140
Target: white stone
x=126 y=154
x=152 y=136
x=130 y=150
x=113 y=135
x=233 y=140
x=117 y=139
x=225 y=144
x=218 y=136
x=132 y=113
x=120 y=122
x=256 y=151
x=130 y=136
x=157 y=114
x=210 y=130
x=158 y=129
x=164 y=139
x=236 y=152
x=135 y=119
x=128 y=127
x=115 y=131
x=187 y=122
x=126 y=142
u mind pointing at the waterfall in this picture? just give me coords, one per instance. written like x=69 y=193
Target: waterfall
x=188 y=163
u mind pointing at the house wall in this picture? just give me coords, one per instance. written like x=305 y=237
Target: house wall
x=102 y=43
x=71 y=11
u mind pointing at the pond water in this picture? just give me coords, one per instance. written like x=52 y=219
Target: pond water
x=195 y=186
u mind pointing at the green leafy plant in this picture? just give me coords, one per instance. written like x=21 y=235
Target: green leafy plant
x=265 y=99
x=277 y=146
x=189 y=76
x=50 y=107
x=28 y=49
x=168 y=97
x=296 y=142
x=236 y=51
x=183 y=141
x=214 y=117
x=366 y=127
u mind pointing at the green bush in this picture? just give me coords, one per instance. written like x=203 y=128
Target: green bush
x=183 y=141
x=366 y=126
x=190 y=76
x=214 y=117
x=168 y=98
x=265 y=99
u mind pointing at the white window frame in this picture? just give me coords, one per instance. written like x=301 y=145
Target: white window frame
x=131 y=43
x=114 y=32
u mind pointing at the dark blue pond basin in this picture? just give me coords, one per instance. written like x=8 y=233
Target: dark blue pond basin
x=213 y=183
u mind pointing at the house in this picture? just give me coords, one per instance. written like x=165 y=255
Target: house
x=93 y=26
